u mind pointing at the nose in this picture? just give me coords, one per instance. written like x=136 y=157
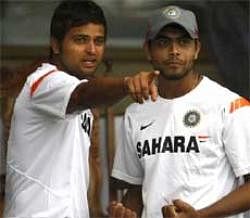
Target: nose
x=91 y=47
x=174 y=48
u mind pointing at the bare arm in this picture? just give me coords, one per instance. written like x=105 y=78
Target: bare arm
x=131 y=205
x=108 y=90
x=235 y=202
x=133 y=200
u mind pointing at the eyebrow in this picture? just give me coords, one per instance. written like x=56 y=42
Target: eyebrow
x=86 y=35
x=161 y=36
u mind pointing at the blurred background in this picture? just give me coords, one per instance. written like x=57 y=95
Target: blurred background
x=24 y=29
x=224 y=31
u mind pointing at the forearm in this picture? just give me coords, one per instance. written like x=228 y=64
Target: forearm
x=97 y=92
x=236 y=202
x=108 y=90
x=133 y=200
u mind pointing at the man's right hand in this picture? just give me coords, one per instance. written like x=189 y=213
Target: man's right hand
x=169 y=211
x=180 y=209
x=118 y=210
x=142 y=86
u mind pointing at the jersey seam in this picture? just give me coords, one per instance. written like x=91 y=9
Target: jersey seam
x=35 y=181
x=38 y=82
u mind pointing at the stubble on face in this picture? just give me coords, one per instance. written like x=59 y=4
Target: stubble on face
x=173 y=53
x=81 y=50
x=173 y=73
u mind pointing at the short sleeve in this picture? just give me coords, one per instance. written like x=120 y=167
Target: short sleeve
x=236 y=136
x=53 y=94
x=127 y=166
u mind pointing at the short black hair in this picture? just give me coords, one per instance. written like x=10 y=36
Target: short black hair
x=71 y=13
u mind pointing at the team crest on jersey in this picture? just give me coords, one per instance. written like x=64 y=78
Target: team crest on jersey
x=192 y=118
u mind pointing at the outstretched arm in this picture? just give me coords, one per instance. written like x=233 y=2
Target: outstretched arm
x=108 y=90
x=235 y=202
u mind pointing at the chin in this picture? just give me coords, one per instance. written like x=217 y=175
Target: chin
x=173 y=76
x=85 y=74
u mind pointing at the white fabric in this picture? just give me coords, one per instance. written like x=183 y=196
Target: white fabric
x=47 y=161
x=198 y=162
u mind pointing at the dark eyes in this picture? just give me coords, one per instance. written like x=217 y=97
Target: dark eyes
x=99 y=41
x=165 y=42
x=82 y=39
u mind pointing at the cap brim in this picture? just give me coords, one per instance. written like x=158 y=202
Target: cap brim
x=156 y=29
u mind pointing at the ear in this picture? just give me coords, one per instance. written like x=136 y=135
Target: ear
x=147 y=51
x=55 y=45
x=197 y=47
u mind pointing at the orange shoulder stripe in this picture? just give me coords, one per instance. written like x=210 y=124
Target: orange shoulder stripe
x=238 y=103
x=36 y=84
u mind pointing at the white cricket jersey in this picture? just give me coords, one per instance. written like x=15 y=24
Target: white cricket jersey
x=47 y=161
x=193 y=147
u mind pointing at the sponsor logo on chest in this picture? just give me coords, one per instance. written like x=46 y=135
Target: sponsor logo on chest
x=167 y=144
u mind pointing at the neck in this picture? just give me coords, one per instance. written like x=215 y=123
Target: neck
x=176 y=88
x=55 y=61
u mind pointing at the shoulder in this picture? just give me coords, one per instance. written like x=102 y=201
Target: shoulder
x=225 y=98
x=48 y=71
x=50 y=74
x=218 y=93
x=47 y=77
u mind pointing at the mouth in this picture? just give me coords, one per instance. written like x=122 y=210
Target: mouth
x=89 y=63
x=173 y=63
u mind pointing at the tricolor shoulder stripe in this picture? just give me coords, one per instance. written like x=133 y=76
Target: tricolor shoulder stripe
x=36 y=84
x=238 y=103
